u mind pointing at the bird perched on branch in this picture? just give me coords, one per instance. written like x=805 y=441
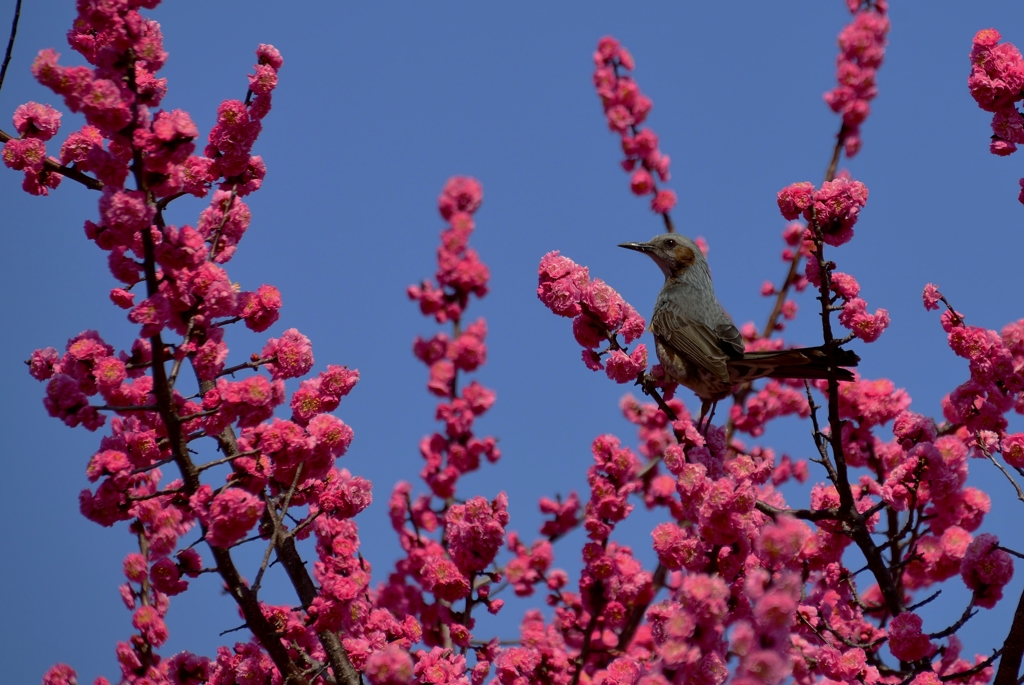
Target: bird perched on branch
x=698 y=344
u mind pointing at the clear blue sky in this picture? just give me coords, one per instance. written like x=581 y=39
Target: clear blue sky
x=379 y=104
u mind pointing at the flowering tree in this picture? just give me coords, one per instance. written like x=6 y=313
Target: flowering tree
x=198 y=462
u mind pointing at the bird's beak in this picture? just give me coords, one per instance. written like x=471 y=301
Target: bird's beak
x=639 y=247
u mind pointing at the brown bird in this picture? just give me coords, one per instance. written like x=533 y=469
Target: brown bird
x=697 y=342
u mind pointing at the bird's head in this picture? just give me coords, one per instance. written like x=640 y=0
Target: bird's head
x=673 y=253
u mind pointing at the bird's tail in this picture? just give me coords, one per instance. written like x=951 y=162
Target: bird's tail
x=802 y=362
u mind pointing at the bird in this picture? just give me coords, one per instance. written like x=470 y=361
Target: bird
x=696 y=341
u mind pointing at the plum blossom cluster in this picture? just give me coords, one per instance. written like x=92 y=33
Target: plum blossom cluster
x=995 y=83
x=756 y=589
x=456 y=451
x=36 y=124
x=460 y=273
x=861 y=51
x=599 y=315
x=626 y=109
x=776 y=399
x=733 y=553
x=832 y=212
x=277 y=476
x=435 y=573
x=995 y=388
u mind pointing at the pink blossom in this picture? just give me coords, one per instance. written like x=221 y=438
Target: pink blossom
x=561 y=284
x=152 y=313
x=677 y=548
x=604 y=302
x=60 y=674
x=344 y=496
x=479 y=398
x=260 y=309
x=229 y=516
x=122 y=298
x=337 y=381
x=166 y=577
x=623 y=368
x=330 y=434
x=442 y=375
x=475 y=531
x=25 y=153
x=468 y=351
x=842 y=666
x=664 y=201
x=44 y=363
x=185 y=668
x=836 y=208
x=641 y=182
x=440 y=667
x=134 y=567
x=782 y=542
x=906 y=641
x=1012 y=447
x=910 y=429
x=795 y=198
x=633 y=325
x=390 y=666
x=931 y=296
x=845 y=285
x=150 y=624
x=867 y=327
x=33 y=120
x=292 y=355
x=1001 y=148
x=986 y=570
x=168 y=142
x=66 y=401
x=268 y=54
x=445 y=580
x=997 y=72
x=460 y=194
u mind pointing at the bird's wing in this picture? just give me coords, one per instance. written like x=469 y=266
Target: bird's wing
x=691 y=340
x=730 y=339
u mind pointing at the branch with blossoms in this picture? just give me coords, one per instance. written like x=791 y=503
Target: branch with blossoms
x=276 y=468
x=861 y=52
x=626 y=109
x=903 y=504
x=977 y=408
x=450 y=545
x=747 y=586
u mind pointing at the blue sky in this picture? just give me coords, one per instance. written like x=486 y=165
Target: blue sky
x=378 y=104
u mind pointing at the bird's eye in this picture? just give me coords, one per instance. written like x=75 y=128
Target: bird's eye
x=670 y=243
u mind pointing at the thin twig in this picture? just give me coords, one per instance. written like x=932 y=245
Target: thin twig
x=1010 y=551
x=181 y=357
x=127 y=407
x=10 y=41
x=154 y=495
x=225 y=460
x=52 y=166
x=251 y=364
x=968 y=614
x=927 y=600
x=977 y=668
x=277 y=528
x=984 y=450
x=223 y=220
